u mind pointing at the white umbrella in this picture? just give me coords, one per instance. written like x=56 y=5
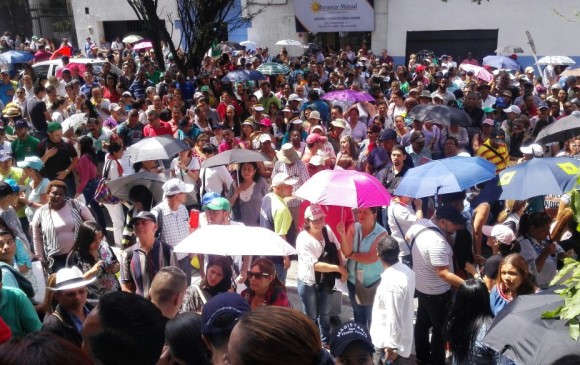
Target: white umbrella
x=74 y=121
x=235 y=240
x=143 y=45
x=133 y=38
x=156 y=148
x=288 y=42
x=250 y=46
x=555 y=60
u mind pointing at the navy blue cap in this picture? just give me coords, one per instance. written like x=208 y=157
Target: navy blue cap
x=451 y=214
x=348 y=333
x=542 y=104
x=388 y=134
x=221 y=304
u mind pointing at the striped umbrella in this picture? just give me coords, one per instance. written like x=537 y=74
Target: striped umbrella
x=273 y=68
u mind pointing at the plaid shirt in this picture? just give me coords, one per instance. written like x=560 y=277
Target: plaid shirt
x=298 y=171
x=174 y=225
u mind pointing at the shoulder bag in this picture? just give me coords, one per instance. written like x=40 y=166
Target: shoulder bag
x=364 y=295
x=103 y=193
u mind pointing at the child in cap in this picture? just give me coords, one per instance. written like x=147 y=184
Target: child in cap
x=351 y=344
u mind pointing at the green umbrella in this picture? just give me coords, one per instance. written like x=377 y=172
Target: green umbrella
x=273 y=69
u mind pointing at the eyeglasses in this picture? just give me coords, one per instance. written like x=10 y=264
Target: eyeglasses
x=257 y=275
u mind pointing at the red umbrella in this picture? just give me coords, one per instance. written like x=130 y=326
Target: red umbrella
x=62 y=51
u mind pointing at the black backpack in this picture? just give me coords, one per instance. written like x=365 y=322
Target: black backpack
x=330 y=256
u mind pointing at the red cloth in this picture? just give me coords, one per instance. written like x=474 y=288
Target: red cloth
x=5 y=332
x=163 y=129
x=334 y=215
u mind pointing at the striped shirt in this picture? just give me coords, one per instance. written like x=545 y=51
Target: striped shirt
x=140 y=267
x=430 y=250
x=485 y=151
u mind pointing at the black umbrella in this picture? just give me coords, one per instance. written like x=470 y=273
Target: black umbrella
x=561 y=130
x=440 y=114
x=520 y=333
x=233 y=156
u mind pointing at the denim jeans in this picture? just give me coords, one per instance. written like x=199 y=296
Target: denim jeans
x=316 y=305
x=281 y=273
x=362 y=313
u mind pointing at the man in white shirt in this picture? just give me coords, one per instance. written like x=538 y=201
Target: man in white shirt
x=392 y=324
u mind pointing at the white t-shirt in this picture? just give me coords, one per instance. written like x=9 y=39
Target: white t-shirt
x=215 y=179
x=404 y=215
x=309 y=250
x=182 y=174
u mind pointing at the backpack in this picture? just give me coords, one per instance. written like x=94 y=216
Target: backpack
x=23 y=283
x=330 y=256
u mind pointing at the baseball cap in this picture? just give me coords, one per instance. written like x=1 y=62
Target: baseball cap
x=143 y=215
x=222 y=304
x=33 y=162
x=388 y=134
x=313 y=212
x=4 y=71
x=487 y=122
x=534 y=149
x=416 y=137
x=114 y=107
x=208 y=197
x=425 y=94
x=339 y=123
x=498 y=133
x=488 y=109
x=529 y=69
x=542 y=105
x=54 y=126
x=266 y=122
x=555 y=87
x=314 y=114
x=315 y=137
x=283 y=178
x=218 y=203
x=500 y=103
x=5 y=156
x=13 y=185
x=5 y=189
x=348 y=333
x=204 y=88
x=20 y=124
x=265 y=137
x=414 y=90
x=500 y=232
x=258 y=107
x=451 y=214
x=513 y=109
x=316 y=127
x=176 y=186
x=294 y=97
x=420 y=68
x=296 y=120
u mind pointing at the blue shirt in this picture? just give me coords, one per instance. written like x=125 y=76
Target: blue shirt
x=371 y=272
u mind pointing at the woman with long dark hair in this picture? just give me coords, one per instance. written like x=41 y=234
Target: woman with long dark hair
x=218 y=279
x=184 y=341
x=247 y=194
x=469 y=320
x=93 y=256
x=86 y=168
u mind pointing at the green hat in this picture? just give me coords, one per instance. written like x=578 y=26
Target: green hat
x=218 y=204
x=488 y=109
x=54 y=126
x=204 y=88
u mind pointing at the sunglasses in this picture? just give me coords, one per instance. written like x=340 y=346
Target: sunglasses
x=257 y=275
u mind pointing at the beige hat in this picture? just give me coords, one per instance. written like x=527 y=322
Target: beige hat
x=287 y=154
x=314 y=114
x=339 y=123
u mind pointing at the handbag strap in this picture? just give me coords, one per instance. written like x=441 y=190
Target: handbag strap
x=421 y=231
x=401 y=230
x=108 y=164
x=381 y=235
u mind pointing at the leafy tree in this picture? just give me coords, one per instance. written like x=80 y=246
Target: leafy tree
x=570 y=310
x=203 y=23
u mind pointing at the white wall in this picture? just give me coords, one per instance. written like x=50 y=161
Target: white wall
x=114 y=10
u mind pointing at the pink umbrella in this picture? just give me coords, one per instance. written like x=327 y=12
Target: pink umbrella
x=346 y=188
x=80 y=66
x=142 y=45
x=478 y=71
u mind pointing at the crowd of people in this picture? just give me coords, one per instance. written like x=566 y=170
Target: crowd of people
x=126 y=297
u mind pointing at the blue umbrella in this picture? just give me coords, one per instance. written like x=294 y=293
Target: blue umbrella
x=449 y=175
x=11 y=57
x=244 y=75
x=536 y=177
x=501 y=62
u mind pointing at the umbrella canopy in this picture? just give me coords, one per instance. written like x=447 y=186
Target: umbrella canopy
x=564 y=129
x=244 y=75
x=62 y=51
x=235 y=240
x=75 y=121
x=440 y=114
x=348 y=95
x=143 y=45
x=273 y=68
x=448 y=175
x=520 y=333
x=250 y=46
x=345 y=188
x=133 y=38
x=570 y=72
x=555 y=60
x=233 y=156
x=156 y=148
x=501 y=62
x=11 y=57
x=478 y=71
x=81 y=67
x=230 y=46
x=522 y=181
x=509 y=50
x=289 y=42
x=121 y=187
